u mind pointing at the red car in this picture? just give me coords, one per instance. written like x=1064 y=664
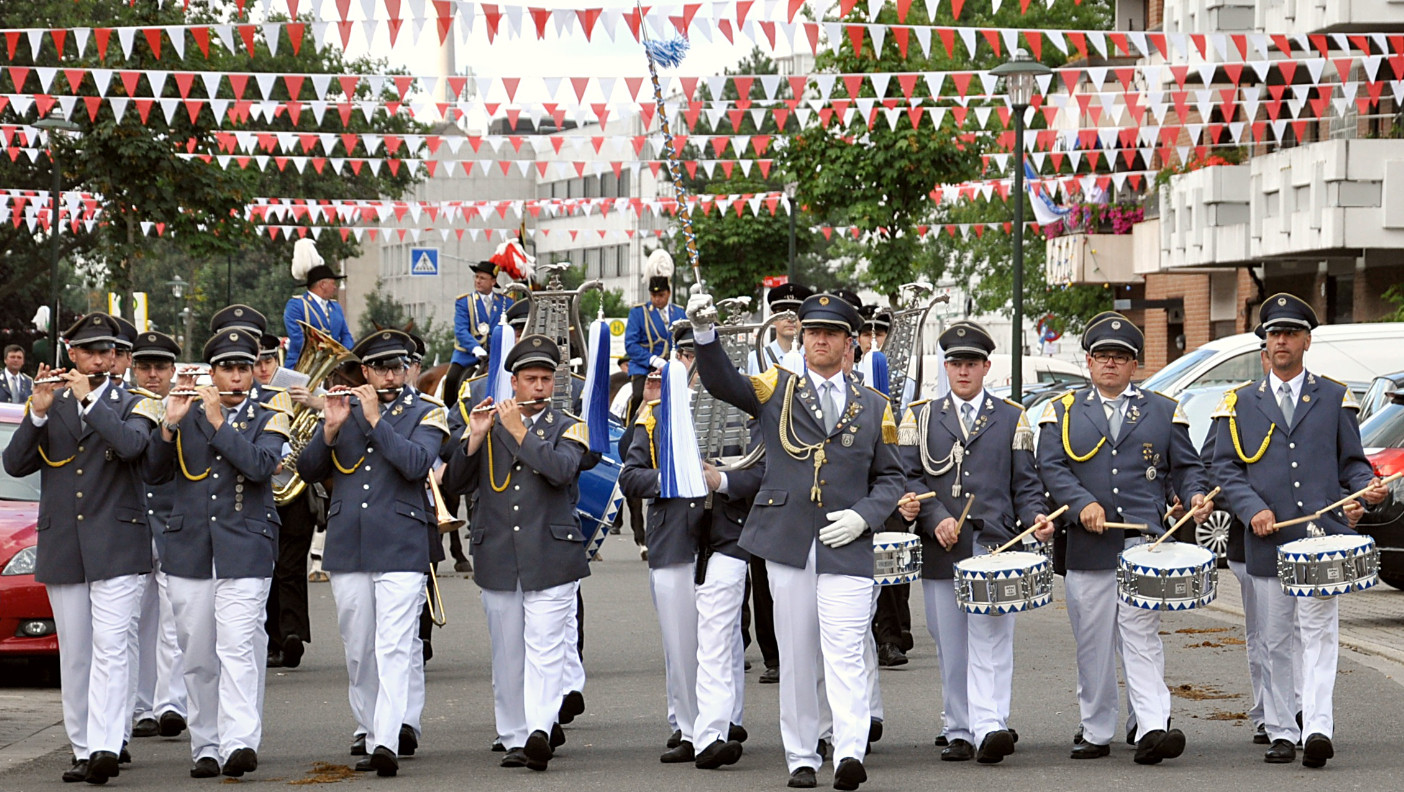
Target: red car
x=26 y=620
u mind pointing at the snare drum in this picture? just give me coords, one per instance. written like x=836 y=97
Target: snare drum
x=1173 y=576
x=599 y=494
x=1010 y=582
x=1323 y=566
x=896 y=558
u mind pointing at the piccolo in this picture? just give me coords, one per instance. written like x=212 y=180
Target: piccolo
x=527 y=403
x=197 y=393
x=63 y=380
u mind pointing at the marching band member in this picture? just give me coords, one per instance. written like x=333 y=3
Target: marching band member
x=647 y=335
x=1285 y=446
x=522 y=459
x=826 y=436
x=969 y=444
x=221 y=541
x=1101 y=451
x=474 y=316
x=785 y=297
x=160 y=670
x=86 y=439
x=380 y=441
x=317 y=306
x=423 y=647
x=122 y=353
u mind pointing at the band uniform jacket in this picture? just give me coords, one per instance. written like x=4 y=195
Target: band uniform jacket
x=648 y=333
x=1263 y=464
x=15 y=396
x=525 y=530
x=92 y=519
x=860 y=468
x=994 y=463
x=223 y=522
x=677 y=528
x=304 y=308
x=1081 y=465
x=378 y=516
x=473 y=323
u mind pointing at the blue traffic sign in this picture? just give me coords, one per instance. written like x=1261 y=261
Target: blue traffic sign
x=424 y=261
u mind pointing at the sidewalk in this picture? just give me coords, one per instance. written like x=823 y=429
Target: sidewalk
x=31 y=725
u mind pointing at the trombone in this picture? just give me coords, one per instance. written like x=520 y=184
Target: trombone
x=447 y=524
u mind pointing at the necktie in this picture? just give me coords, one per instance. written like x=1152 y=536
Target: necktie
x=830 y=407
x=968 y=416
x=1285 y=402
x=1113 y=409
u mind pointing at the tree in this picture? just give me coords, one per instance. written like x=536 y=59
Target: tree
x=383 y=310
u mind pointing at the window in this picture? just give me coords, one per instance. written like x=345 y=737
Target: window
x=1239 y=368
x=592 y=263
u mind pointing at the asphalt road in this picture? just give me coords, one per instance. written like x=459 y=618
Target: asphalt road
x=615 y=745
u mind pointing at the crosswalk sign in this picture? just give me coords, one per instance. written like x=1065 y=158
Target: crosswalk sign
x=424 y=261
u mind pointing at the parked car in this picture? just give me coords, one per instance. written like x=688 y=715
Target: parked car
x=1040 y=373
x=1353 y=353
x=26 y=619
x=1378 y=392
x=1382 y=434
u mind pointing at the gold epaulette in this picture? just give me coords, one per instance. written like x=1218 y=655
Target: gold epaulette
x=907 y=433
x=436 y=418
x=1227 y=407
x=279 y=424
x=151 y=409
x=645 y=413
x=1023 y=434
x=764 y=383
x=889 y=424
x=281 y=402
x=466 y=386
x=578 y=432
x=1050 y=410
x=432 y=400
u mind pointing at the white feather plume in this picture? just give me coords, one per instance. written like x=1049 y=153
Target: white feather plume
x=658 y=265
x=305 y=257
x=41 y=319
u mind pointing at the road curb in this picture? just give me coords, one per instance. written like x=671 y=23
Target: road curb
x=41 y=743
x=1348 y=641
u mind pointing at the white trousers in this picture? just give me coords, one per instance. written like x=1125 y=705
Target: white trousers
x=875 y=708
x=574 y=663
x=530 y=634
x=675 y=600
x=414 y=703
x=220 y=629
x=989 y=678
x=143 y=640
x=167 y=691
x=821 y=617
x=1253 y=639
x=92 y=621
x=378 y=615
x=949 y=627
x=1316 y=657
x=720 y=696
x=1098 y=618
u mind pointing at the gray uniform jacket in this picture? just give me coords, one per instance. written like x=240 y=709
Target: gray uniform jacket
x=525 y=530
x=378 y=520
x=1123 y=476
x=92 y=522
x=995 y=464
x=1311 y=465
x=223 y=522
x=861 y=469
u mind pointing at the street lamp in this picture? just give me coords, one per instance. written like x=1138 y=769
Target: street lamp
x=1019 y=74
x=791 y=190
x=58 y=128
x=177 y=286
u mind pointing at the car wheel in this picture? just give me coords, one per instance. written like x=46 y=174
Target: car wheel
x=1396 y=581
x=1213 y=533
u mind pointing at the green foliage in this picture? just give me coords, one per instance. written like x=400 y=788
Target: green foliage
x=1394 y=294
x=614 y=304
x=383 y=310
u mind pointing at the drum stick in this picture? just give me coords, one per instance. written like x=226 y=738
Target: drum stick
x=969 y=502
x=1334 y=506
x=909 y=497
x=1183 y=519
x=1126 y=526
x=1048 y=519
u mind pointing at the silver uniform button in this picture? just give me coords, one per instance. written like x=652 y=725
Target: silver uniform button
x=364 y=505
x=516 y=527
x=1113 y=471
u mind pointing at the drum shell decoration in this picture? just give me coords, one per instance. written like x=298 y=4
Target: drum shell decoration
x=1324 y=566
x=896 y=558
x=1172 y=577
x=600 y=496
x=1011 y=582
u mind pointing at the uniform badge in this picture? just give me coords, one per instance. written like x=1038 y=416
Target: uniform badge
x=1150 y=473
x=549 y=418
x=109 y=455
x=1306 y=397
x=398 y=409
x=847 y=440
x=540 y=432
x=483 y=328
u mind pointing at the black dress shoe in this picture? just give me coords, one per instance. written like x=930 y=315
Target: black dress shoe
x=678 y=755
x=674 y=739
x=124 y=756
x=874 y=731
x=942 y=740
x=958 y=750
x=1173 y=745
x=557 y=736
x=746 y=666
x=364 y=765
x=719 y=754
x=358 y=745
x=802 y=778
x=205 y=767
x=1087 y=750
x=1013 y=735
x=770 y=676
x=889 y=656
x=736 y=733
x=292 y=651
x=1317 y=750
x=1077 y=735
x=995 y=746
x=514 y=758
x=1131 y=736
x=849 y=774
x=572 y=706
x=1148 y=747
x=1281 y=752
x=244 y=760
x=537 y=750
x=275 y=659
x=78 y=772
x=384 y=761
x=825 y=749
x=102 y=765
x=409 y=741
x=427 y=647
x=172 y=724
x=146 y=727
x=463 y=567
x=1260 y=735
x=498 y=747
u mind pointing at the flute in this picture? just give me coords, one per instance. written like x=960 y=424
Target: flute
x=528 y=402
x=197 y=393
x=64 y=380
x=341 y=394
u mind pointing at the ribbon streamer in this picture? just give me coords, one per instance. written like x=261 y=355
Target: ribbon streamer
x=499 y=384
x=679 y=459
x=596 y=391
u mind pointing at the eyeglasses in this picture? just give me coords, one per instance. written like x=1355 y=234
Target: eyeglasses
x=1119 y=358
x=387 y=368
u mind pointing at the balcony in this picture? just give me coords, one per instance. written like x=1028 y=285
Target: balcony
x=1200 y=16
x=1081 y=257
x=1204 y=217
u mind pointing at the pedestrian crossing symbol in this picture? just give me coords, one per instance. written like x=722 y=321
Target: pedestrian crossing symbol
x=424 y=261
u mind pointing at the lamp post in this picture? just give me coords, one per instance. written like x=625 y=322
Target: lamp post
x=1019 y=74
x=791 y=190
x=58 y=127
x=177 y=286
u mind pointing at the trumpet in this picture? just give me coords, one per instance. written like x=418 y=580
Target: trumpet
x=527 y=403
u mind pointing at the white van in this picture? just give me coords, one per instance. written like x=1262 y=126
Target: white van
x=1351 y=353
x=1039 y=372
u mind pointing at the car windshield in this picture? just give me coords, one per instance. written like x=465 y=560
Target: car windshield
x=20 y=489
x=1384 y=429
x=1162 y=379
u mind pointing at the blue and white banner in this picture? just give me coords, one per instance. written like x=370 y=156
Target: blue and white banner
x=596 y=393
x=679 y=459
x=1045 y=211
x=499 y=384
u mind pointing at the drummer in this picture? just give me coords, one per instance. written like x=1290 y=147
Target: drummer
x=1284 y=447
x=1102 y=451
x=969 y=444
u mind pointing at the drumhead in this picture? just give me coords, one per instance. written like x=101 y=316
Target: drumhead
x=896 y=538
x=1008 y=560
x=1169 y=554
x=1335 y=543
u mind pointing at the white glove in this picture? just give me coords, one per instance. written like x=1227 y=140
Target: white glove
x=844 y=526
x=657 y=362
x=478 y=352
x=701 y=313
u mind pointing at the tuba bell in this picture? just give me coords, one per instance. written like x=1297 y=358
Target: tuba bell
x=321 y=355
